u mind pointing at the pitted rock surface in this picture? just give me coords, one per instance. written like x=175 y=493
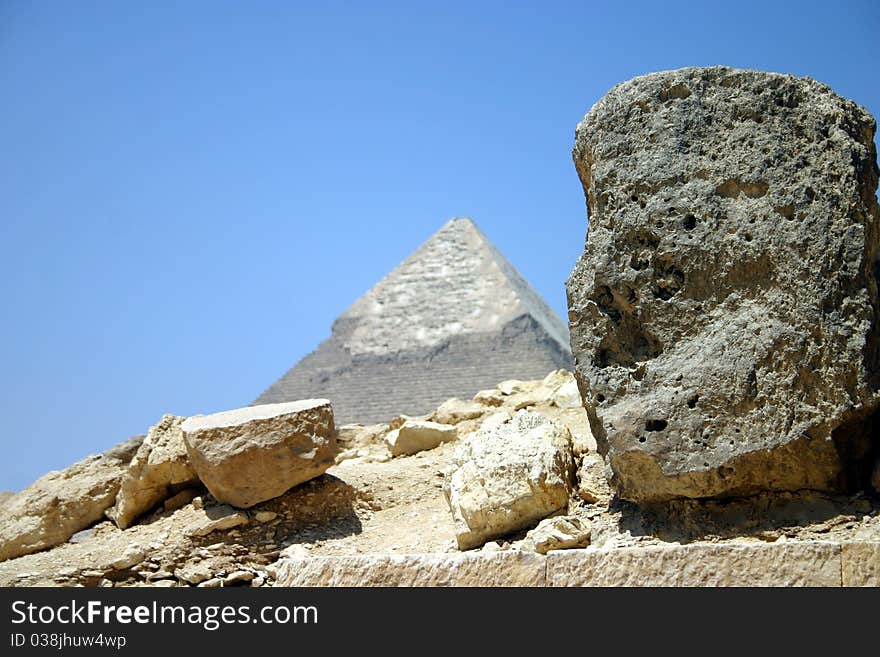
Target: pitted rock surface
x=724 y=313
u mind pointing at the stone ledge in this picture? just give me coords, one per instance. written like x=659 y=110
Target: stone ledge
x=730 y=564
x=860 y=564
x=437 y=569
x=700 y=564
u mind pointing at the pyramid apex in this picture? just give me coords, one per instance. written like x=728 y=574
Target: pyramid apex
x=453 y=317
x=460 y=221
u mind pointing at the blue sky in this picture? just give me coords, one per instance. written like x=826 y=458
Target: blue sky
x=191 y=192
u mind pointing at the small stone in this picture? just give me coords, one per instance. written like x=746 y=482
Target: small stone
x=558 y=533
x=159 y=574
x=456 y=410
x=417 y=435
x=511 y=386
x=194 y=573
x=217 y=518
x=164 y=583
x=82 y=536
x=265 y=516
x=132 y=555
x=105 y=583
x=489 y=398
x=238 y=577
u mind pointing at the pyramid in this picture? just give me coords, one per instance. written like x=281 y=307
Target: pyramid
x=454 y=318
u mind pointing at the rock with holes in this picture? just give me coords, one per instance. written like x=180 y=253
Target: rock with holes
x=724 y=313
x=253 y=454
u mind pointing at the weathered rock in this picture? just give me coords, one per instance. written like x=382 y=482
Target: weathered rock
x=724 y=314
x=489 y=398
x=561 y=389
x=731 y=564
x=458 y=569
x=513 y=386
x=353 y=436
x=238 y=578
x=860 y=564
x=418 y=435
x=592 y=483
x=558 y=533
x=362 y=441
x=61 y=503
x=216 y=518
x=179 y=500
x=453 y=411
x=159 y=469
x=213 y=583
x=253 y=454
x=131 y=556
x=195 y=573
x=495 y=420
x=508 y=477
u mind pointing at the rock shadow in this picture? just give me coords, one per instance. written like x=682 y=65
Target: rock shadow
x=804 y=514
x=322 y=509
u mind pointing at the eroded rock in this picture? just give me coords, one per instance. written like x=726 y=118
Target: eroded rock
x=61 y=503
x=454 y=411
x=558 y=533
x=253 y=454
x=417 y=435
x=508 y=477
x=592 y=483
x=724 y=312
x=159 y=470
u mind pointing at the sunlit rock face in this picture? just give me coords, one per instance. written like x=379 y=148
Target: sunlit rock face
x=724 y=313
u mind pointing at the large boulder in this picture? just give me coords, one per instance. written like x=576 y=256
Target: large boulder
x=159 y=470
x=253 y=454
x=724 y=313
x=61 y=503
x=509 y=476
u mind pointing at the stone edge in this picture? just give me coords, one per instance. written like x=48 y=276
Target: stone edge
x=795 y=563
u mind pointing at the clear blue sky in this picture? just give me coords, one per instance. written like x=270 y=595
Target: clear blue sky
x=191 y=192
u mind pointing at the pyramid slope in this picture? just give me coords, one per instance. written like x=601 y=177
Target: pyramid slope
x=453 y=318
